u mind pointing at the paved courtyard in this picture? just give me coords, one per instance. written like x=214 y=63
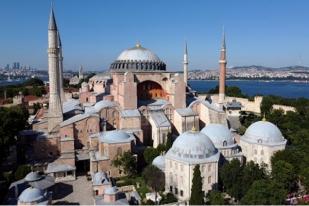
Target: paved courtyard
x=76 y=192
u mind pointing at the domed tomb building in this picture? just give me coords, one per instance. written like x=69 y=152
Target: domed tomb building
x=223 y=140
x=260 y=141
x=190 y=149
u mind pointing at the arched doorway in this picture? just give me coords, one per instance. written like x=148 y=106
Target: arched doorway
x=150 y=90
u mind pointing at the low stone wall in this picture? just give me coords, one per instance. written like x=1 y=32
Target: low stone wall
x=249 y=106
x=284 y=108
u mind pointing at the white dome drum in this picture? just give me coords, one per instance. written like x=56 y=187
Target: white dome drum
x=192 y=146
x=137 y=58
x=263 y=132
x=219 y=134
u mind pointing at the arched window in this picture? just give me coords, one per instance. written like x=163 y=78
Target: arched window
x=209 y=179
x=255 y=152
x=260 y=141
x=262 y=152
x=209 y=167
x=224 y=143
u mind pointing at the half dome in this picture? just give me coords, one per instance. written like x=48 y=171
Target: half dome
x=263 y=132
x=137 y=58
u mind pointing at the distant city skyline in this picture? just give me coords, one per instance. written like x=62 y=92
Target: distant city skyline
x=269 y=33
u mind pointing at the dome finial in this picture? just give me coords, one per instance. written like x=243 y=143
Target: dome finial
x=138 y=44
x=193 y=129
x=264 y=118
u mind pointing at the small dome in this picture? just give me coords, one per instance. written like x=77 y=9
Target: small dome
x=33 y=176
x=263 y=132
x=159 y=162
x=138 y=53
x=111 y=190
x=114 y=136
x=219 y=134
x=31 y=194
x=192 y=145
x=100 y=178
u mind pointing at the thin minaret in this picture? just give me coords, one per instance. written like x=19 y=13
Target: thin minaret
x=185 y=64
x=222 y=63
x=55 y=108
x=80 y=73
x=62 y=96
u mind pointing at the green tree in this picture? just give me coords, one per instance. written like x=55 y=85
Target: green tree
x=250 y=173
x=169 y=141
x=168 y=198
x=284 y=174
x=264 y=192
x=230 y=175
x=150 y=153
x=22 y=171
x=154 y=178
x=126 y=162
x=304 y=177
x=33 y=82
x=215 y=197
x=197 y=196
x=12 y=120
x=231 y=91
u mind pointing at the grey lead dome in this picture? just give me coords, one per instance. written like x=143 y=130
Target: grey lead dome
x=137 y=58
x=263 y=132
x=192 y=146
x=219 y=134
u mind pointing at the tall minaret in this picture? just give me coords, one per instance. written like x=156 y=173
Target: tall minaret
x=55 y=108
x=222 y=63
x=185 y=64
x=62 y=96
x=80 y=73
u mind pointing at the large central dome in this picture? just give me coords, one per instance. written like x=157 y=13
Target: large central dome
x=137 y=58
x=138 y=53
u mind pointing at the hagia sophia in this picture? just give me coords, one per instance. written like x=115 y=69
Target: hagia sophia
x=139 y=103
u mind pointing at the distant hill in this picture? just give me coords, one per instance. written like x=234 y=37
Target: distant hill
x=296 y=67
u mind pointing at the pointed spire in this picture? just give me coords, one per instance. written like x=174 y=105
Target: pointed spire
x=52 y=21
x=59 y=40
x=186 y=48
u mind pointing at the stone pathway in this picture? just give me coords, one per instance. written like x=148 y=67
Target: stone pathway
x=78 y=192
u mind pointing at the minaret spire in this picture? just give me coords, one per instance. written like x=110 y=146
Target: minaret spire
x=52 y=25
x=222 y=63
x=55 y=107
x=185 y=64
x=61 y=92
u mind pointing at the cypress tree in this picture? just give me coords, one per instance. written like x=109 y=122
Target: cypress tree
x=197 y=196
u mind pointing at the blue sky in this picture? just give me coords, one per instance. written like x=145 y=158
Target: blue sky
x=261 y=32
